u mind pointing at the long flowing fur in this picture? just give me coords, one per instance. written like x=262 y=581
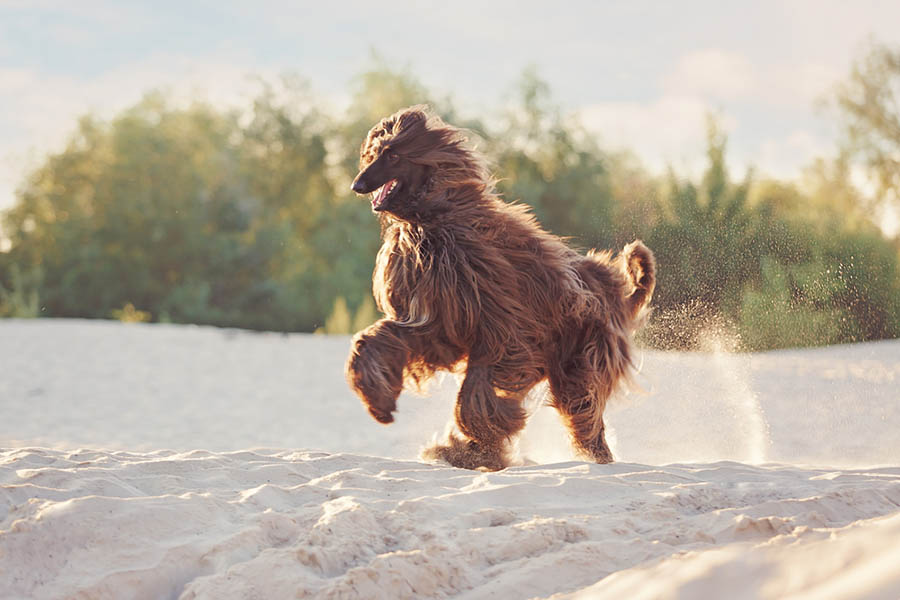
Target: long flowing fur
x=468 y=281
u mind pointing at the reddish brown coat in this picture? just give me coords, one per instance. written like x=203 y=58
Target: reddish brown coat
x=467 y=281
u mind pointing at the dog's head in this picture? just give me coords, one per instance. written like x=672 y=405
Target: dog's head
x=405 y=156
x=389 y=163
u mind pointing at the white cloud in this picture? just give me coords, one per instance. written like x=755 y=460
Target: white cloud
x=798 y=85
x=712 y=73
x=109 y=13
x=786 y=156
x=727 y=76
x=667 y=131
x=14 y=81
x=671 y=129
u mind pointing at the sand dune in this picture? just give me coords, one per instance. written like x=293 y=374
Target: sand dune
x=748 y=476
x=245 y=524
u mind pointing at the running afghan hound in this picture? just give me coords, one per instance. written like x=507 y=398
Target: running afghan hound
x=470 y=282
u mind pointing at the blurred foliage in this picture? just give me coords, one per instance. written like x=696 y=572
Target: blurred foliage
x=21 y=299
x=794 y=306
x=869 y=102
x=341 y=322
x=129 y=314
x=716 y=237
x=245 y=218
x=553 y=166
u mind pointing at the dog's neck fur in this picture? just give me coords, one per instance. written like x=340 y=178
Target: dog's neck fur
x=437 y=206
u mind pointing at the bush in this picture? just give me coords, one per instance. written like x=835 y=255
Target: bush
x=196 y=215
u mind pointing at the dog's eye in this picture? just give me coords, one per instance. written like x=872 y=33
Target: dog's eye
x=393 y=157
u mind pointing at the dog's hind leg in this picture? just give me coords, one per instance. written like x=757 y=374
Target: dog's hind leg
x=580 y=388
x=581 y=408
x=487 y=418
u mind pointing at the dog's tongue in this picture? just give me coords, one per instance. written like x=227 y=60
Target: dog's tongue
x=381 y=193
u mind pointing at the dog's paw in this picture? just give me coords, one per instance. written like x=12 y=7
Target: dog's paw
x=596 y=451
x=380 y=399
x=467 y=454
x=373 y=380
x=382 y=416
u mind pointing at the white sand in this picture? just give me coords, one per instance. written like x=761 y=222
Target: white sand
x=751 y=476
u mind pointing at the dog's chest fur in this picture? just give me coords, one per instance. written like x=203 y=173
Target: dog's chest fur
x=407 y=267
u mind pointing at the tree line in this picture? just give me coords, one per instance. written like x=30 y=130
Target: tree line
x=244 y=218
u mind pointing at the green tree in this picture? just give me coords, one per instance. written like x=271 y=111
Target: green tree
x=552 y=164
x=708 y=240
x=245 y=218
x=869 y=102
x=379 y=91
x=183 y=213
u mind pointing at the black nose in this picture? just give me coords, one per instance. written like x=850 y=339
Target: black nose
x=358 y=186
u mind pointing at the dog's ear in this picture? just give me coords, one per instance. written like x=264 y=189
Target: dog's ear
x=414 y=116
x=368 y=150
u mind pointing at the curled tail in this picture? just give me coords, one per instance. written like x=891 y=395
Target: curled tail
x=640 y=267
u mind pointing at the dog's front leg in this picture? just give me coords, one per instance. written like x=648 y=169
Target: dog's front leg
x=487 y=419
x=374 y=369
x=484 y=415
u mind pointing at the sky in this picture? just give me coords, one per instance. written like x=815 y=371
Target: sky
x=640 y=75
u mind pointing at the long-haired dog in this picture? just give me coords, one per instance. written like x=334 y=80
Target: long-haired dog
x=466 y=279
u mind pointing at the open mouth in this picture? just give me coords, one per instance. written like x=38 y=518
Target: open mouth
x=383 y=193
